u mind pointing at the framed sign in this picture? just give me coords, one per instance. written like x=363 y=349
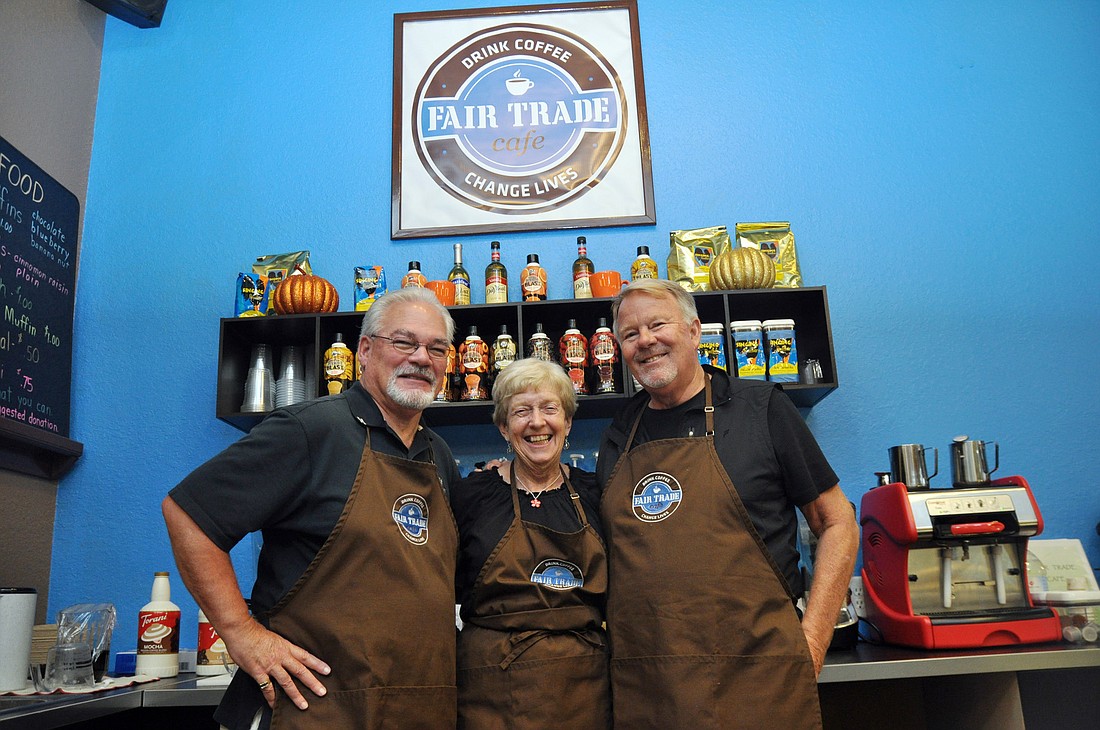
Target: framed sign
x=519 y=118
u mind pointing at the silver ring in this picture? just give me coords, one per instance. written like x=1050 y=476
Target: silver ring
x=264 y=685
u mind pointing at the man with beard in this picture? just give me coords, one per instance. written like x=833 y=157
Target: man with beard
x=702 y=474
x=355 y=581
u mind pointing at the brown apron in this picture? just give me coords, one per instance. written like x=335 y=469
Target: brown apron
x=531 y=655
x=702 y=629
x=377 y=605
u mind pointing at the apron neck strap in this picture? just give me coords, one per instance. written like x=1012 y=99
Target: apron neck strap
x=708 y=414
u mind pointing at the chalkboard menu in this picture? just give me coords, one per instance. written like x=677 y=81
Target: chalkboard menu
x=38 y=250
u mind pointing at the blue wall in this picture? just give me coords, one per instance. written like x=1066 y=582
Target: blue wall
x=938 y=161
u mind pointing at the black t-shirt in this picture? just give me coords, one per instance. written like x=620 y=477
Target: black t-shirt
x=482 y=504
x=767 y=450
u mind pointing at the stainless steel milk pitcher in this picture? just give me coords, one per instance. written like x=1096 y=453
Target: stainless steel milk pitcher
x=909 y=466
x=969 y=466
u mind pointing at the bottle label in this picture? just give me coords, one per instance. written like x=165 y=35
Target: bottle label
x=582 y=289
x=211 y=651
x=414 y=278
x=338 y=363
x=504 y=353
x=603 y=348
x=496 y=287
x=534 y=283
x=574 y=350
x=539 y=348
x=474 y=356
x=158 y=632
x=643 y=269
x=462 y=289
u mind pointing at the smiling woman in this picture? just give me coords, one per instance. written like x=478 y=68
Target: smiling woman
x=532 y=570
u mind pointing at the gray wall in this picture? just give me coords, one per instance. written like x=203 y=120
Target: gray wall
x=50 y=53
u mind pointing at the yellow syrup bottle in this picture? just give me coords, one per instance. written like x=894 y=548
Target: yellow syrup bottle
x=339 y=366
x=644 y=267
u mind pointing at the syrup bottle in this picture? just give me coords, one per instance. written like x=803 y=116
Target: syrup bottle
x=473 y=366
x=339 y=366
x=158 y=646
x=414 y=277
x=447 y=387
x=533 y=279
x=582 y=269
x=496 y=278
x=573 y=351
x=643 y=267
x=504 y=351
x=605 y=359
x=539 y=345
x=460 y=278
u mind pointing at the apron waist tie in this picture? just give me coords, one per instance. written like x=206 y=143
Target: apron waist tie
x=524 y=640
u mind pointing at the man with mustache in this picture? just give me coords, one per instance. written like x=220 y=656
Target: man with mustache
x=354 y=593
x=702 y=474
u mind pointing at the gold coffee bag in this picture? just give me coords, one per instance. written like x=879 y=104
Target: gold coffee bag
x=776 y=240
x=690 y=254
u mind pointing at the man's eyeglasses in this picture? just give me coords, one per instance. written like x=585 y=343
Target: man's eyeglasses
x=435 y=350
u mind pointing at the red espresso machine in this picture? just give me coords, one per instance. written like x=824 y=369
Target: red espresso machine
x=947 y=568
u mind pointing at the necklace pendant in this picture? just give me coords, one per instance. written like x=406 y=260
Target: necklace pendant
x=536 y=502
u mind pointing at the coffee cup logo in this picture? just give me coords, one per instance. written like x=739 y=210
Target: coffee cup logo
x=156 y=633
x=517 y=85
x=519 y=118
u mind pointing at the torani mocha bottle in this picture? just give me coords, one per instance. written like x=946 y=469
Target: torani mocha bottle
x=158 y=646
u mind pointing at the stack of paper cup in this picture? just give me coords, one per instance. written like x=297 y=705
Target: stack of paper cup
x=259 y=386
x=291 y=386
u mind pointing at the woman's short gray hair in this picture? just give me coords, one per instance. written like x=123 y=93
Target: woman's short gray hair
x=656 y=288
x=531 y=375
x=372 y=320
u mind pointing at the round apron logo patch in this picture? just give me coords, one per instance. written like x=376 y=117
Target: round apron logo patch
x=558 y=575
x=410 y=512
x=656 y=496
x=519 y=118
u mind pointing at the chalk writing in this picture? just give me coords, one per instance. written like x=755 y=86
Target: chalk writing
x=38 y=230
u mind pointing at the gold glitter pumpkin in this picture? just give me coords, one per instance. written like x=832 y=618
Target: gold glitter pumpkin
x=742 y=268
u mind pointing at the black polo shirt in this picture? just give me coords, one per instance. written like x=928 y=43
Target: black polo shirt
x=290 y=477
x=768 y=452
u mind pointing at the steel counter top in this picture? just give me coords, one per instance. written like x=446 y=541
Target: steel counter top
x=874 y=662
x=864 y=663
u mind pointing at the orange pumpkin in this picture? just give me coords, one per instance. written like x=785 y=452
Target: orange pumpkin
x=301 y=293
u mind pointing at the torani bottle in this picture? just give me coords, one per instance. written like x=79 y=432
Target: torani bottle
x=158 y=645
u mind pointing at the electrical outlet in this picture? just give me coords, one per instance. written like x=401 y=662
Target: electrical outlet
x=859 y=601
